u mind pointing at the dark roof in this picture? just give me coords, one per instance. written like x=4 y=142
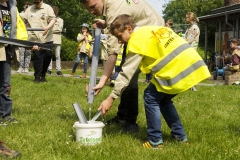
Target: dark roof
x=219 y=13
x=225 y=8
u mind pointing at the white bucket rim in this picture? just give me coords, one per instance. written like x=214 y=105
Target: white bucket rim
x=96 y=124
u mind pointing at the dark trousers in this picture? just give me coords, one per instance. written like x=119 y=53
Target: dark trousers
x=148 y=76
x=128 y=107
x=42 y=59
x=5 y=87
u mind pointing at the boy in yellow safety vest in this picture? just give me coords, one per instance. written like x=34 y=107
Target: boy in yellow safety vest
x=175 y=66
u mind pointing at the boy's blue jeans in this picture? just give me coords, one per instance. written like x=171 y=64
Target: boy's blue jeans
x=156 y=103
x=78 y=58
x=117 y=70
x=5 y=78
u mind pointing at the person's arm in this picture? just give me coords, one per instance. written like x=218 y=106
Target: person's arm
x=113 y=48
x=81 y=37
x=51 y=20
x=235 y=60
x=61 y=24
x=49 y=26
x=107 y=71
x=123 y=79
x=58 y=26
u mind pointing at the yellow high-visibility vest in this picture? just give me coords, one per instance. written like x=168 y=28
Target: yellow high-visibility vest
x=175 y=65
x=88 y=44
x=21 y=29
x=119 y=58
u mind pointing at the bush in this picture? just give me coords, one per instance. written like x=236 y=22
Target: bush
x=200 y=51
x=68 y=49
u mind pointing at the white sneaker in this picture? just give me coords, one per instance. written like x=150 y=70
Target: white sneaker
x=26 y=70
x=193 y=89
x=20 y=70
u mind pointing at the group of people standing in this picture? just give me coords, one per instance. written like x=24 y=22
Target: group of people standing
x=55 y=32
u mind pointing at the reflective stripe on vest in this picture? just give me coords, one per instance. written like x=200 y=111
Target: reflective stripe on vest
x=181 y=75
x=170 y=57
x=119 y=60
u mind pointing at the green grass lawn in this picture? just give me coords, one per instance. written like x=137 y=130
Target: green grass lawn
x=210 y=117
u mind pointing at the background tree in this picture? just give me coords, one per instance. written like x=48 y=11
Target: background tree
x=74 y=15
x=177 y=9
x=71 y=11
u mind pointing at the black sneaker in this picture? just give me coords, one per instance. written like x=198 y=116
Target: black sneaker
x=37 y=79
x=115 y=120
x=49 y=72
x=43 y=79
x=129 y=128
x=8 y=153
x=2 y=122
x=10 y=119
x=59 y=73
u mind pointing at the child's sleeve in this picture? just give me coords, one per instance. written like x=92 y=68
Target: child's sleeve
x=129 y=68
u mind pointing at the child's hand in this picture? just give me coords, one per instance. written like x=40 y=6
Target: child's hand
x=106 y=105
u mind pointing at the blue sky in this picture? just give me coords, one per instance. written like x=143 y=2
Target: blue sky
x=157 y=5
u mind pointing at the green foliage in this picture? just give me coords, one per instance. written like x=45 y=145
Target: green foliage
x=68 y=49
x=210 y=117
x=72 y=12
x=200 y=51
x=177 y=9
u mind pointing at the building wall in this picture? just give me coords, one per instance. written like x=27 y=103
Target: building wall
x=226 y=37
x=231 y=2
x=225 y=44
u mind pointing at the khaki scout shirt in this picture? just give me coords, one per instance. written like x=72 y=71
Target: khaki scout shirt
x=2 y=47
x=39 y=18
x=142 y=13
x=57 y=30
x=129 y=68
x=192 y=35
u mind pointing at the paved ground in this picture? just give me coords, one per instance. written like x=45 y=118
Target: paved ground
x=213 y=82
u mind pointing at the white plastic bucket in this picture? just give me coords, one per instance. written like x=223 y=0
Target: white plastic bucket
x=89 y=134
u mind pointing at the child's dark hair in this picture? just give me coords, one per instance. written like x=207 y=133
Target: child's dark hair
x=170 y=22
x=120 y=23
x=235 y=40
x=55 y=8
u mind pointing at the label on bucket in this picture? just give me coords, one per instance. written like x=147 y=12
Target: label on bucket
x=90 y=140
x=91 y=137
